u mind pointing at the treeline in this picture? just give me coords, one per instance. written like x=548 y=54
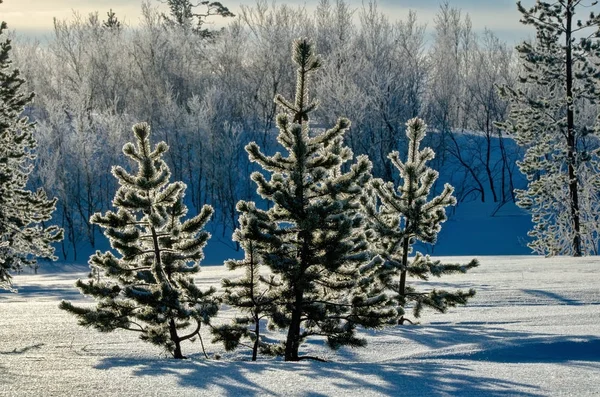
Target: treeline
x=206 y=96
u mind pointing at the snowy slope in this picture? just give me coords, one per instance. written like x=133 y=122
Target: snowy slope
x=477 y=228
x=532 y=330
x=473 y=228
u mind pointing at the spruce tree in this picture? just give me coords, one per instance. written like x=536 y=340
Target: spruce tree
x=312 y=238
x=404 y=215
x=549 y=117
x=148 y=286
x=254 y=294
x=23 y=213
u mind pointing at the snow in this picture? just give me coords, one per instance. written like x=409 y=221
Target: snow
x=532 y=330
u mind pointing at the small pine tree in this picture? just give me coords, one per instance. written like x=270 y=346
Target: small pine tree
x=404 y=216
x=549 y=117
x=112 y=23
x=149 y=288
x=23 y=235
x=312 y=238
x=254 y=294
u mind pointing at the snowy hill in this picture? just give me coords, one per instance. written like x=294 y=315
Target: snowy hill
x=472 y=229
x=477 y=228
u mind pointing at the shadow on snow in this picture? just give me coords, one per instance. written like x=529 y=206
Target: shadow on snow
x=446 y=365
x=488 y=341
x=410 y=377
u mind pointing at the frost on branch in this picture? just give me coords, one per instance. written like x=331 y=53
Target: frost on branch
x=145 y=284
x=311 y=241
x=23 y=234
x=400 y=216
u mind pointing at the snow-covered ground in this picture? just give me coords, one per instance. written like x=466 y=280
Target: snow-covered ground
x=532 y=330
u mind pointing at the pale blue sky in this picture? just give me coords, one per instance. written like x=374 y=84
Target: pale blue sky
x=34 y=17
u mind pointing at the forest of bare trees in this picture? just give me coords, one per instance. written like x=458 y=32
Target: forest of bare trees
x=208 y=95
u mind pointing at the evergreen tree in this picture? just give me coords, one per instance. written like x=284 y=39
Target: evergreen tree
x=23 y=235
x=149 y=287
x=549 y=116
x=312 y=238
x=112 y=23
x=254 y=294
x=401 y=217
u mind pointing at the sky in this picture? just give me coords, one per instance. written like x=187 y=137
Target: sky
x=33 y=18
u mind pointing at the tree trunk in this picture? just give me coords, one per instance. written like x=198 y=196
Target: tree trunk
x=402 y=285
x=255 y=313
x=175 y=338
x=505 y=170
x=488 y=157
x=257 y=337
x=292 y=343
x=571 y=142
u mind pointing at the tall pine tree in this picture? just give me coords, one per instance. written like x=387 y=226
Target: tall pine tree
x=550 y=117
x=312 y=238
x=149 y=287
x=404 y=215
x=23 y=234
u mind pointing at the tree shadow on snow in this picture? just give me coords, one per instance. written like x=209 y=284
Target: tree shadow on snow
x=486 y=342
x=419 y=377
x=441 y=364
x=549 y=298
x=556 y=350
x=230 y=377
x=42 y=291
x=387 y=379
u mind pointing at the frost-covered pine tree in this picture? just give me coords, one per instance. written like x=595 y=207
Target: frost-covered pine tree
x=254 y=294
x=23 y=213
x=552 y=116
x=312 y=238
x=148 y=286
x=404 y=215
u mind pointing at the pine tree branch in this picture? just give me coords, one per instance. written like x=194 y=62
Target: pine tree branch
x=190 y=335
x=141 y=329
